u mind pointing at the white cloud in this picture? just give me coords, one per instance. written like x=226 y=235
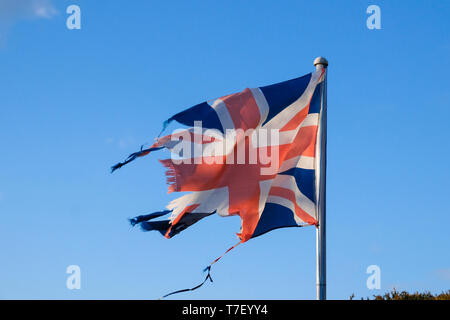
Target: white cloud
x=43 y=9
x=122 y=143
x=19 y=9
x=13 y=11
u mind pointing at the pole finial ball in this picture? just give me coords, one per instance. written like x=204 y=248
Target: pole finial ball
x=321 y=60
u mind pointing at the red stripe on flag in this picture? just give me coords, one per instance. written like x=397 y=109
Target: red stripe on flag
x=243 y=109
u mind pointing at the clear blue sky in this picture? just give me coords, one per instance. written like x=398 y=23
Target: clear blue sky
x=74 y=102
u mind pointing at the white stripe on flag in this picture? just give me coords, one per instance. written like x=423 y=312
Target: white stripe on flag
x=288 y=182
x=287 y=204
x=262 y=104
x=282 y=118
x=302 y=162
x=223 y=114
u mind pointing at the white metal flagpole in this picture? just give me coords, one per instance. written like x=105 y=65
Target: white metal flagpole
x=321 y=274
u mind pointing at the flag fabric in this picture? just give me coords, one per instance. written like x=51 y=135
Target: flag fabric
x=271 y=185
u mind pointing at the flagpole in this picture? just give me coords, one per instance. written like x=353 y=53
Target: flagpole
x=321 y=271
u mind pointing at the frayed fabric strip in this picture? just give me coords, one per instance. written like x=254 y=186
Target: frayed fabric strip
x=147 y=217
x=133 y=156
x=208 y=276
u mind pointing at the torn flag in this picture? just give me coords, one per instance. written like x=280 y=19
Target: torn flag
x=251 y=154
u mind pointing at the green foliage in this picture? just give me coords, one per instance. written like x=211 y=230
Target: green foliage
x=403 y=295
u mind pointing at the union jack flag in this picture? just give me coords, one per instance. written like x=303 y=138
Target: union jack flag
x=279 y=123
